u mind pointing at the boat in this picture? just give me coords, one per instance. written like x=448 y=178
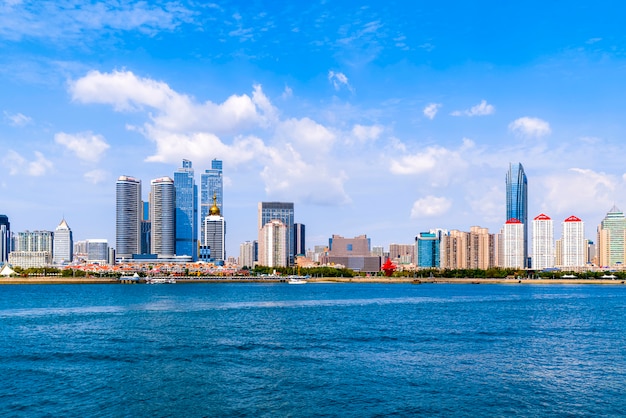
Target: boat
x=296 y=280
x=160 y=280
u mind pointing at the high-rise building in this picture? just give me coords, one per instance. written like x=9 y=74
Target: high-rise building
x=163 y=216
x=146 y=229
x=211 y=184
x=299 y=239
x=427 y=246
x=543 y=243
x=128 y=212
x=63 y=244
x=5 y=238
x=402 y=253
x=517 y=201
x=281 y=211
x=611 y=245
x=513 y=244
x=454 y=250
x=215 y=233
x=481 y=248
x=32 y=249
x=186 y=211
x=97 y=250
x=246 y=254
x=273 y=246
x=574 y=244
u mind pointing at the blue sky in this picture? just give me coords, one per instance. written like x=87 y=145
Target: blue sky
x=381 y=118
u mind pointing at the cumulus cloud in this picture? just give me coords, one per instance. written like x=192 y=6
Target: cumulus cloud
x=339 y=80
x=307 y=133
x=563 y=190
x=19 y=165
x=430 y=111
x=530 y=127
x=481 y=109
x=364 y=133
x=430 y=206
x=86 y=145
x=17 y=119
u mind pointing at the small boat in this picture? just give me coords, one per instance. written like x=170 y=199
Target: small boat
x=160 y=280
x=295 y=280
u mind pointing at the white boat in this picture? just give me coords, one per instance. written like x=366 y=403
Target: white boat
x=160 y=280
x=295 y=280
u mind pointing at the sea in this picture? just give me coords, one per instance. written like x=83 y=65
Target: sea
x=314 y=350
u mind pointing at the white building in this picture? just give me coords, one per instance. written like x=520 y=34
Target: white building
x=574 y=244
x=246 y=254
x=513 y=245
x=97 y=251
x=163 y=216
x=273 y=244
x=63 y=244
x=543 y=243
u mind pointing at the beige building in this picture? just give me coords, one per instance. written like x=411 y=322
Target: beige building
x=273 y=244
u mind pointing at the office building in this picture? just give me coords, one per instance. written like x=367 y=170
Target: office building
x=284 y=212
x=247 y=254
x=63 y=244
x=186 y=211
x=273 y=246
x=543 y=243
x=574 y=243
x=128 y=211
x=32 y=249
x=5 y=238
x=299 y=239
x=353 y=253
x=163 y=216
x=215 y=233
x=611 y=247
x=402 y=254
x=517 y=201
x=513 y=244
x=97 y=251
x=211 y=184
x=427 y=245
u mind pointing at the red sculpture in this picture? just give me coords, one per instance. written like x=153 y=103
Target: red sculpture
x=388 y=268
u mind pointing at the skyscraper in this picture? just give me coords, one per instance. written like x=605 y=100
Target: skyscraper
x=215 y=233
x=273 y=247
x=211 y=184
x=543 y=243
x=611 y=242
x=517 y=200
x=427 y=246
x=282 y=211
x=127 y=216
x=5 y=238
x=63 y=245
x=163 y=216
x=513 y=237
x=186 y=211
x=574 y=244
x=299 y=239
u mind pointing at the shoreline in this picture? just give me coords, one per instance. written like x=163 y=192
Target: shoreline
x=379 y=280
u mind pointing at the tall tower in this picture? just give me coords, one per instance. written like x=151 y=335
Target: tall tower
x=127 y=216
x=543 y=242
x=611 y=243
x=186 y=211
x=163 y=216
x=574 y=244
x=215 y=233
x=63 y=245
x=299 y=239
x=5 y=238
x=282 y=211
x=517 y=200
x=273 y=246
x=211 y=184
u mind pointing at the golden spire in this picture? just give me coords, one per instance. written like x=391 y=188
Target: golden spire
x=214 y=211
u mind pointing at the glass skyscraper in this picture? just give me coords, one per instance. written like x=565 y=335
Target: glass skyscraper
x=186 y=211
x=127 y=216
x=5 y=238
x=517 y=200
x=63 y=244
x=163 y=216
x=427 y=249
x=211 y=184
x=611 y=243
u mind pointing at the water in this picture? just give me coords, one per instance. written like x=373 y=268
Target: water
x=253 y=350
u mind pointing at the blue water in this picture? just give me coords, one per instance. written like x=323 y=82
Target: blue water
x=343 y=350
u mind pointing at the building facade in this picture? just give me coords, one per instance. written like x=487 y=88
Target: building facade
x=427 y=249
x=163 y=216
x=299 y=239
x=5 y=238
x=128 y=211
x=273 y=245
x=211 y=184
x=611 y=242
x=186 y=211
x=215 y=233
x=574 y=243
x=97 y=251
x=32 y=249
x=543 y=243
x=246 y=254
x=513 y=244
x=517 y=200
x=284 y=212
x=63 y=244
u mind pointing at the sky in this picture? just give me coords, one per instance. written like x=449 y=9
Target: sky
x=385 y=118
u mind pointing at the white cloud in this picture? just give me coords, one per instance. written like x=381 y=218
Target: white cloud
x=338 y=80
x=530 y=127
x=564 y=191
x=19 y=165
x=96 y=176
x=17 y=119
x=481 y=109
x=85 y=145
x=367 y=133
x=307 y=133
x=430 y=111
x=430 y=206
x=287 y=93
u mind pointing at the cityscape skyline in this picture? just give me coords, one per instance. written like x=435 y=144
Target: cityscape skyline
x=333 y=106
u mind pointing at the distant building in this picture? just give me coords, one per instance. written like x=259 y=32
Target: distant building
x=63 y=244
x=5 y=238
x=513 y=237
x=163 y=216
x=427 y=246
x=97 y=251
x=128 y=211
x=284 y=212
x=186 y=211
x=402 y=254
x=299 y=239
x=481 y=248
x=574 y=243
x=611 y=242
x=211 y=184
x=517 y=202
x=215 y=233
x=273 y=245
x=32 y=249
x=454 y=250
x=246 y=254
x=543 y=243
x=353 y=253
